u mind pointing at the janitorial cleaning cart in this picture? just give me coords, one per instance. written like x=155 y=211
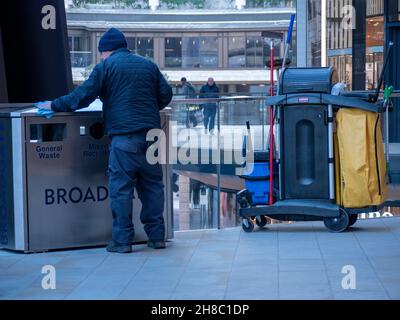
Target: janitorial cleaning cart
x=329 y=150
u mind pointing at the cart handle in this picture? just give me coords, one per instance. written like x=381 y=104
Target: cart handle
x=321 y=98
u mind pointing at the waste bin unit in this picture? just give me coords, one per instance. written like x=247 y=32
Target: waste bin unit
x=54 y=184
x=306 y=113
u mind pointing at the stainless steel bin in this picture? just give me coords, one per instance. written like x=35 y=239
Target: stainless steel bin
x=54 y=184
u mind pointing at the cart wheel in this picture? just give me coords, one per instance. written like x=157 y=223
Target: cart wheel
x=353 y=219
x=243 y=203
x=261 y=221
x=338 y=224
x=242 y=199
x=247 y=225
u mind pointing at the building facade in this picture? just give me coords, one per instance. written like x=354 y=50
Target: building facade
x=230 y=45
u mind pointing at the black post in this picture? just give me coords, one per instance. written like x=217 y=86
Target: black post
x=35 y=48
x=3 y=79
x=391 y=10
x=359 y=45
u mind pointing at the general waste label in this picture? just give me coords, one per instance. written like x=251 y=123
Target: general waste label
x=49 y=152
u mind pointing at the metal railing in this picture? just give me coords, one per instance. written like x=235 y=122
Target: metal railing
x=205 y=189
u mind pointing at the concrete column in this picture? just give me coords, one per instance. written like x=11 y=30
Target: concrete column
x=301 y=32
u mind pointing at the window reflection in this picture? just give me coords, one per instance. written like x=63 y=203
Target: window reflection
x=208 y=52
x=142 y=46
x=80 y=51
x=191 y=52
x=237 y=49
x=251 y=51
x=173 y=52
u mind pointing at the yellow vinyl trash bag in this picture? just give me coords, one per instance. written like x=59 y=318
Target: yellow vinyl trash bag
x=361 y=168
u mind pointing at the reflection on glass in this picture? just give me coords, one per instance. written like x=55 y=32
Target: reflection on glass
x=237 y=49
x=142 y=46
x=173 y=52
x=80 y=51
x=208 y=52
x=254 y=52
x=251 y=51
x=344 y=66
x=145 y=48
x=191 y=52
x=373 y=69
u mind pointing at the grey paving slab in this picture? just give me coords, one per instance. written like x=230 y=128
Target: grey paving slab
x=11 y=285
x=282 y=261
x=7 y=261
x=301 y=264
x=162 y=282
x=309 y=284
x=100 y=287
x=199 y=293
x=260 y=287
x=6 y=253
x=40 y=294
x=360 y=295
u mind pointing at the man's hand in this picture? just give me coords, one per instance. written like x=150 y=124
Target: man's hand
x=44 y=105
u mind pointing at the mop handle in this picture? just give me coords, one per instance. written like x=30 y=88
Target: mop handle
x=288 y=40
x=271 y=129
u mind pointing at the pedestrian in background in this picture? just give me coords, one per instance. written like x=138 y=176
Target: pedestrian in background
x=194 y=116
x=209 y=91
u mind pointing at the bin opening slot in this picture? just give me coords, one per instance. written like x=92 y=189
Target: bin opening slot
x=48 y=132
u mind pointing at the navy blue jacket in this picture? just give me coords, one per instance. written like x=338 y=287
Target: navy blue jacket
x=209 y=92
x=132 y=90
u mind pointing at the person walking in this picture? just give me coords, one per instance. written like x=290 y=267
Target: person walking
x=209 y=91
x=192 y=109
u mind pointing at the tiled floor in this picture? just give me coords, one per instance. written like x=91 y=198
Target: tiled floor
x=283 y=261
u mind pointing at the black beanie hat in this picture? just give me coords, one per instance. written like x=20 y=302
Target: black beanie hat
x=112 y=40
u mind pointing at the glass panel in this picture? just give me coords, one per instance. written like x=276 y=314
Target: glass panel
x=278 y=42
x=207 y=167
x=237 y=51
x=190 y=52
x=80 y=59
x=173 y=52
x=373 y=68
x=250 y=52
x=131 y=43
x=374 y=50
x=375 y=32
x=144 y=47
x=80 y=51
x=195 y=186
x=233 y=115
x=208 y=52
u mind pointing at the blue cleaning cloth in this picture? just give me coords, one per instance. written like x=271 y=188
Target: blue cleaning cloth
x=43 y=112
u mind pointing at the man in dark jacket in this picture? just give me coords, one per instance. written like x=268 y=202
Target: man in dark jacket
x=209 y=90
x=192 y=109
x=133 y=91
x=188 y=90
